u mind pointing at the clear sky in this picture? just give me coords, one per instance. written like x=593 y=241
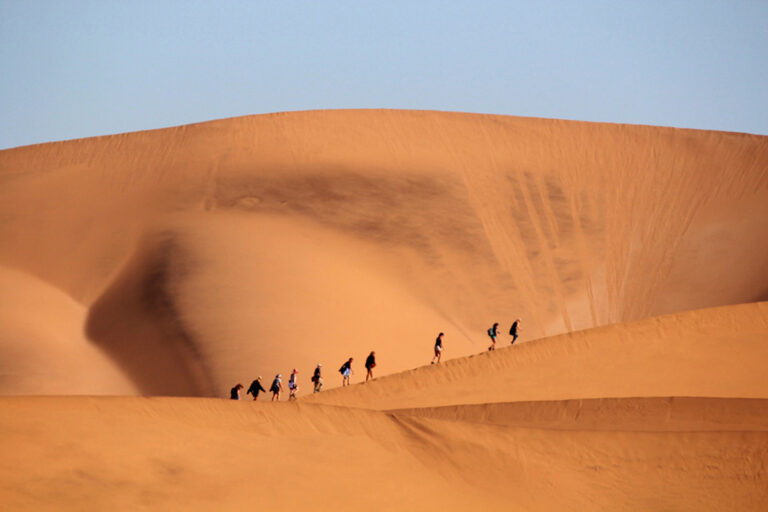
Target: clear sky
x=73 y=68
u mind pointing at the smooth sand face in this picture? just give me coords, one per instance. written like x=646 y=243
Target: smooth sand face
x=185 y=260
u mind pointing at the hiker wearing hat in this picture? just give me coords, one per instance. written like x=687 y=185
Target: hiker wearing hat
x=293 y=386
x=276 y=387
x=317 y=378
x=256 y=388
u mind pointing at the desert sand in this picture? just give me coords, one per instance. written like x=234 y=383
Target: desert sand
x=160 y=268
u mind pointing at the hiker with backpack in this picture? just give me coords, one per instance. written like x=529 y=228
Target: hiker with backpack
x=256 y=388
x=346 y=371
x=276 y=387
x=293 y=386
x=317 y=379
x=370 y=364
x=493 y=332
x=514 y=330
x=438 y=349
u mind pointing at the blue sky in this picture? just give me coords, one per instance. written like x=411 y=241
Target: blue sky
x=82 y=68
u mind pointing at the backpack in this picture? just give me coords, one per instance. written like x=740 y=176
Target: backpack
x=490 y=332
x=343 y=367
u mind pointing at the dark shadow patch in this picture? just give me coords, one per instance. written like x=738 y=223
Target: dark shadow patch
x=136 y=322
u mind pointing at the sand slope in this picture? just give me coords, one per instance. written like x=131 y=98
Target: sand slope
x=465 y=439
x=720 y=352
x=211 y=253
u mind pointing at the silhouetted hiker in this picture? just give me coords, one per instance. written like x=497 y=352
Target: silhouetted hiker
x=293 y=386
x=514 y=330
x=370 y=364
x=276 y=387
x=493 y=332
x=346 y=371
x=234 y=393
x=438 y=348
x=256 y=388
x=317 y=378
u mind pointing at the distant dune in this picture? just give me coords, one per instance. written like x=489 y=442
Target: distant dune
x=181 y=261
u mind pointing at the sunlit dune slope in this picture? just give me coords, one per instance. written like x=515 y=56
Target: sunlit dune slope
x=719 y=352
x=208 y=254
x=203 y=454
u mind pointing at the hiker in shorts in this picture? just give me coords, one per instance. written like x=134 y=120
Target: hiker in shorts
x=493 y=332
x=276 y=387
x=514 y=330
x=293 y=386
x=438 y=349
x=370 y=364
x=234 y=393
x=317 y=378
x=256 y=388
x=346 y=371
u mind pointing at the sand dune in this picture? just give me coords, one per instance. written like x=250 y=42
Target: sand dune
x=497 y=452
x=181 y=261
x=435 y=221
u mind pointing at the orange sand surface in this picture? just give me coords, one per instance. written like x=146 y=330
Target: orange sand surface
x=178 y=262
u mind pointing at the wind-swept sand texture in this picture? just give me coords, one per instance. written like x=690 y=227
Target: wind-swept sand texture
x=181 y=261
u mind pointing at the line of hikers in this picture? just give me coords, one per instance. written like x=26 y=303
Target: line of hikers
x=346 y=369
x=293 y=386
x=514 y=331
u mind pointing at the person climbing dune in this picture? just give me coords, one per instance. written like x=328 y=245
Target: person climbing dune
x=234 y=393
x=255 y=388
x=438 y=349
x=493 y=332
x=317 y=378
x=514 y=330
x=293 y=385
x=346 y=371
x=370 y=364
x=276 y=387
